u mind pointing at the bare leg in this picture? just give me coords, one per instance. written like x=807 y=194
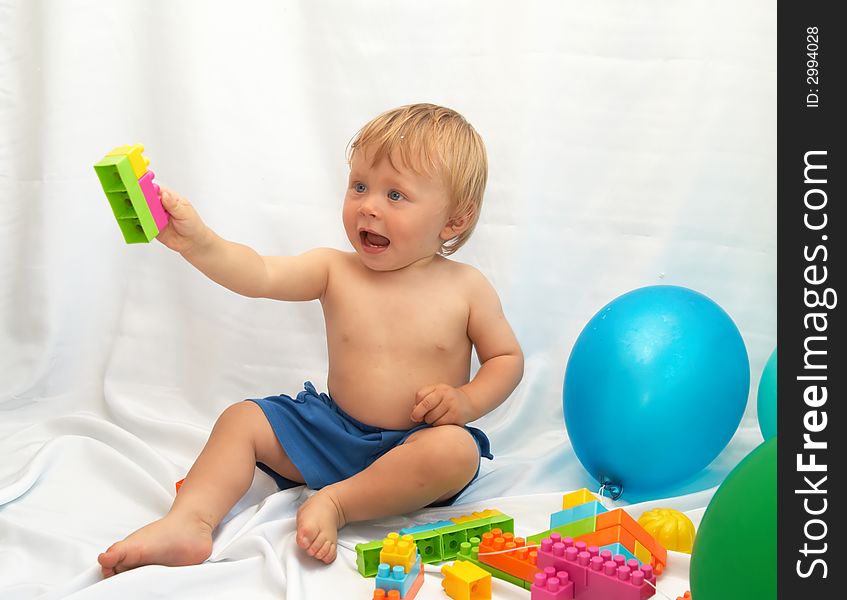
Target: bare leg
x=219 y=478
x=433 y=464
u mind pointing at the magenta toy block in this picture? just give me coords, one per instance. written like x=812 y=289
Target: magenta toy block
x=596 y=575
x=151 y=194
x=551 y=585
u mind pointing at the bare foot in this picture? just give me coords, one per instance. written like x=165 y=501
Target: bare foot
x=172 y=541
x=318 y=522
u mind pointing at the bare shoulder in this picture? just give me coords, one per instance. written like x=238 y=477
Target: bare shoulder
x=469 y=279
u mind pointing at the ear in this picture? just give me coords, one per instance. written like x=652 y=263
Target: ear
x=457 y=225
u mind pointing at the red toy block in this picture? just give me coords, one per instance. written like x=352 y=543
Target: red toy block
x=597 y=576
x=179 y=485
x=551 y=585
x=625 y=521
x=520 y=563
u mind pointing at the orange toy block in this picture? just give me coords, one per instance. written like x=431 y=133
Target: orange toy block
x=625 y=520
x=179 y=485
x=520 y=563
x=609 y=535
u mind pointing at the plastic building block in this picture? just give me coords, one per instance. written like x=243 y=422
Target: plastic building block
x=151 y=194
x=429 y=546
x=466 y=581
x=642 y=553
x=475 y=516
x=576 y=498
x=625 y=521
x=552 y=585
x=504 y=523
x=395 y=578
x=381 y=594
x=597 y=575
x=469 y=551
x=137 y=160
x=367 y=557
x=398 y=551
x=131 y=193
x=577 y=513
x=575 y=529
x=425 y=527
x=670 y=527
x=179 y=485
x=687 y=596
x=451 y=538
x=610 y=535
x=618 y=548
x=521 y=562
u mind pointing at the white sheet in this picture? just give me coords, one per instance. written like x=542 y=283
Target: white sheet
x=630 y=144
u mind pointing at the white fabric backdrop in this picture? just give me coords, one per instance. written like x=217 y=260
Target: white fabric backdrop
x=630 y=143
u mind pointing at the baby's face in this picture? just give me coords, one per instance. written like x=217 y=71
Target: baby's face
x=394 y=218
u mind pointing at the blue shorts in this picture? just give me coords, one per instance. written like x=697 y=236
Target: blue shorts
x=328 y=445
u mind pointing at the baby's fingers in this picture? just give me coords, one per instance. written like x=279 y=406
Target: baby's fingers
x=425 y=405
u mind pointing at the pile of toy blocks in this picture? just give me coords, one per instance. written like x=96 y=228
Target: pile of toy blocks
x=400 y=573
x=589 y=553
x=133 y=196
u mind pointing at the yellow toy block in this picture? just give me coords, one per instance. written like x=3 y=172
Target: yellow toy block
x=463 y=580
x=642 y=553
x=576 y=498
x=137 y=160
x=488 y=512
x=398 y=551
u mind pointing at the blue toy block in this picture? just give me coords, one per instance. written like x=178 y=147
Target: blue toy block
x=426 y=527
x=388 y=578
x=577 y=513
x=618 y=548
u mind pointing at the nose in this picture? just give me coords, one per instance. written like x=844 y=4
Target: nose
x=367 y=208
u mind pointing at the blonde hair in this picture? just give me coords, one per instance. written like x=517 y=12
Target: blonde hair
x=432 y=140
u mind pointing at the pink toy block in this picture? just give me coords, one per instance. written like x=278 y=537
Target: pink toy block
x=597 y=575
x=551 y=585
x=151 y=194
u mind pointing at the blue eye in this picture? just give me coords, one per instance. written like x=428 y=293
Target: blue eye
x=395 y=196
x=360 y=188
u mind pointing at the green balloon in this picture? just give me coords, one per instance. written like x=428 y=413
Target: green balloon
x=766 y=398
x=734 y=554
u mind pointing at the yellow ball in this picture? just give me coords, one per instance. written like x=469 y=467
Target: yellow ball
x=671 y=528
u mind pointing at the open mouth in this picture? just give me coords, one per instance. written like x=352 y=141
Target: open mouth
x=373 y=241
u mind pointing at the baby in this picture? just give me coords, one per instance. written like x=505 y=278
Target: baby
x=401 y=321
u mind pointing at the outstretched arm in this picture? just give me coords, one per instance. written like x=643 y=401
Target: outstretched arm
x=239 y=267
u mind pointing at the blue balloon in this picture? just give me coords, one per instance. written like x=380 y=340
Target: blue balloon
x=766 y=398
x=655 y=387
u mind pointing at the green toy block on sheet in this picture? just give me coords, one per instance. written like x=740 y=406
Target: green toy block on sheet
x=469 y=551
x=429 y=546
x=126 y=199
x=367 y=557
x=451 y=538
x=505 y=523
x=575 y=529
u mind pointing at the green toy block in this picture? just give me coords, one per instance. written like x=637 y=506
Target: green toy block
x=503 y=522
x=367 y=557
x=476 y=528
x=429 y=546
x=469 y=551
x=575 y=529
x=126 y=199
x=451 y=538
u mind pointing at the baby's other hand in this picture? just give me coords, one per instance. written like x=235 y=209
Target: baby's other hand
x=441 y=404
x=185 y=228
